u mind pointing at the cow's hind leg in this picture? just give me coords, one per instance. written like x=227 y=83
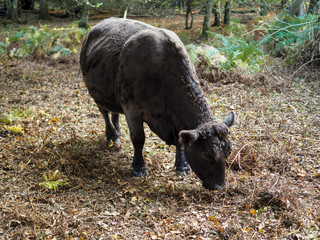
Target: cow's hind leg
x=181 y=164
x=137 y=137
x=115 y=122
x=112 y=132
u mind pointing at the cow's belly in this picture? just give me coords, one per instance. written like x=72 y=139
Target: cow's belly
x=101 y=88
x=164 y=129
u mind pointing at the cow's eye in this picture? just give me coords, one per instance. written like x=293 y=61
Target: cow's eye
x=208 y=156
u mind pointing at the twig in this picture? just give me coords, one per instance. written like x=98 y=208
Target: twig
x=275 y=182
x=303 y=138
x=294 y=109
x=238 y=156
x=257 y=29
x=305 y=128
x=310 y=61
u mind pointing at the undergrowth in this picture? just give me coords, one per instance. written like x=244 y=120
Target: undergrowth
x=16 y=115
x=12 y=122
x=293 y=38
x=229 y=52
x=41 y=42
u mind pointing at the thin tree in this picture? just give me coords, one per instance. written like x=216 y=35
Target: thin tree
x=216 y=14
x=12 y=10
x=43 y=10
x=126 y=8
x=227 y=12
x=189 y=13
x=264 y=11
x=295 y=7
x=206 y=20
x=83 y=22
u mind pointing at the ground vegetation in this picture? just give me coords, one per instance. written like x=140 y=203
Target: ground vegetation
x=59 y=179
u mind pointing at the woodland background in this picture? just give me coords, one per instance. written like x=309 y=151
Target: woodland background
x=59 y=179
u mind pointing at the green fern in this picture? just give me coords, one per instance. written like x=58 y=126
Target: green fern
x=3 y=49
x=228 y=52
x=192 y=50
x=289 y=36
x=50 y=41
x=246 y=56
x=15 y=115
x=53 y=181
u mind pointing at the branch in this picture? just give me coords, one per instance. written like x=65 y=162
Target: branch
x=295 y=25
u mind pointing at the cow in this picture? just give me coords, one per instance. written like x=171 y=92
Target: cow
x=145 y=73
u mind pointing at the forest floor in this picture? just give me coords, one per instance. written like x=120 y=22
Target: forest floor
x=272 y=186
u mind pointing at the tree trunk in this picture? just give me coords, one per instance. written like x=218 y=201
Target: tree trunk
x=264 y=11
x=43 y=11
x=181 y=4
x=227 y=11
x=125 y=10
x=189 y=12
x=313 y=7
x=83 y=23
x=9 y=8
x=27 y=5
x=216 y=14
x=296 y=7
x=19 y=8
x=206 y=20
x=283 y=3
x=12 y=10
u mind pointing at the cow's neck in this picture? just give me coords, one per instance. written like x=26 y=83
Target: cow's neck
x=188 y=105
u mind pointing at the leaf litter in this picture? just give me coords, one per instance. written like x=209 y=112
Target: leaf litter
x=272 y=183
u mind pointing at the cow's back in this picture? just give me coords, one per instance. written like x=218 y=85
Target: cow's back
x=99 y=58
x=129 y=66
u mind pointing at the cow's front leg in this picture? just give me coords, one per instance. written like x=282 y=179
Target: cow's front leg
x=137 y=137
x=182 y=167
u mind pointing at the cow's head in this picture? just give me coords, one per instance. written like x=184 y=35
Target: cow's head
x=206 y=149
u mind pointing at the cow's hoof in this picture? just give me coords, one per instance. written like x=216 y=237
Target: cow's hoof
x=144 y=172
x=212 y=186
x=115 y=142
x=181 y=173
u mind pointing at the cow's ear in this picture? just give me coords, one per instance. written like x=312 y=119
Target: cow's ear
x=230 y=119
x=188 y=137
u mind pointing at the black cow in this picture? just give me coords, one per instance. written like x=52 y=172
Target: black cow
x=145 y=73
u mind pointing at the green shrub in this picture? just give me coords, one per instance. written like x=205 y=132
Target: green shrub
x=3 y=49
x=15 y=115
x=241 y=54
x=292 y=37
x=209 y=54
x=54 y=180
x=228 y=52
x=192 y=51
x=48 y=41
x=234 y=28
